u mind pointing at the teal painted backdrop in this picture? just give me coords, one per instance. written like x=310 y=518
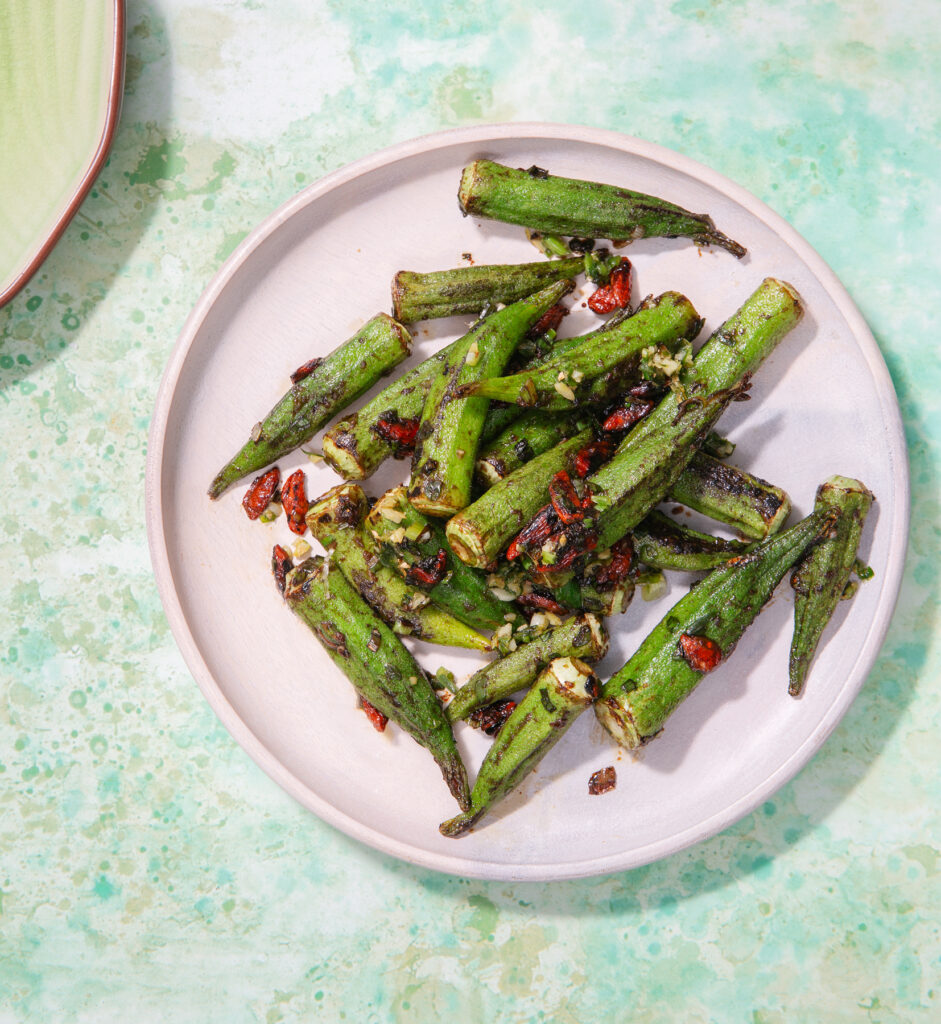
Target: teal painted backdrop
x=148 y=870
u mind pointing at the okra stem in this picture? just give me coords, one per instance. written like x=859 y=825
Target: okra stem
x=584 y=209
x=469 y=289
x=699 y=631
x=821 y=577
x=375 y=661
x=561 y=693
x=336 y=381
x=446 y=448
x=583 y=637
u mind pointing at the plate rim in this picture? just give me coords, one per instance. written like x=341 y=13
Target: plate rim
x=109 y=128
x=239 y=728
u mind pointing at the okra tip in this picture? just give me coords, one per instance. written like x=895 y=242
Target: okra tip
x=715 y=237
x=460 y=825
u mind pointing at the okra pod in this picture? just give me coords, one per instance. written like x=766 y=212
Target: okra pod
x=561 y=693
x=418 y=550
x=446 y=446
x=566 y=378
x=334 y=382
x=531 y=434
x=481 y=531
x=376 y=662
x=662 y=543
x=336 y=520
x=822 y=575
x=731 y=496
x=469 y=289
x=656 y=451
x=698 y=632
x=584 y=209
x=584 y=637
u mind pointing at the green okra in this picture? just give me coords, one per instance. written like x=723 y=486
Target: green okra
x=337 y=380
x=531 y=434
x=409 y=541
x=662 y=543
x=612 y=354
x=468 y=289
x=560 y=694
x=446 y=445
x=717 y=446
x=656 y=451
x=336 y=520
x=731 y=496
x=698 y=632
x=376 y=662
x=480 y=532
x=583 y=209
x=821 y=577
x=583 y=637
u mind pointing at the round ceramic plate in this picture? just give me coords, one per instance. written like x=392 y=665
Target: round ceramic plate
x=304 y=281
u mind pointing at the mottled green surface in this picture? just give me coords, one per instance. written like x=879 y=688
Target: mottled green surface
x=148 y=870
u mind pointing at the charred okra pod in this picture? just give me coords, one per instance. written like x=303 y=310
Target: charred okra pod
x=480 y=532
x=732 y=496
x=418 y=550
x=698 y=632
x=531 y=434
x=822 y=576
x=653 y=455
x=331 y=385
x=567 y=376
x=662 y=543
x=336 y=520
x=469 y=289
x=584 y=209
x=446 y=445
x=584 y=637
x=561 y=693
x=375 y=661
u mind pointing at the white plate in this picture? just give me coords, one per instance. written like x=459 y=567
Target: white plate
x=305 y=280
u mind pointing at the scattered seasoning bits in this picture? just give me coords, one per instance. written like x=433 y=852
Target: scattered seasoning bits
x=256 y=431
x=375 y=639
x=301 y=549
x=305 y=371
x=602 y=781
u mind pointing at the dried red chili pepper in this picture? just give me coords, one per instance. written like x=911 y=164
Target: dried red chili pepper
x=258 y=496
x=627 y=416
x=565 y=501
x=306 y=370
x=549 y=321
x=591 y=455
x=375 y=716
x=701 y=653
x=616 y=294
x=615 y=571
x=536 y=601
x=491 y=718
x=538 y=531
x=602 y=781
x=392 y=428
x=281 y=564
x=294 y=501
x=428 y=572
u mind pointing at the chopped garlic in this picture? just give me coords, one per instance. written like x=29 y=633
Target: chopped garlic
x=301 y=549
x=502 y=595
x=393 y=515
x=578 y=376
x=473 y=355
x=565 y=391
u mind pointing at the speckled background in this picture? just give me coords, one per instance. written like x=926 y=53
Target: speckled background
x=148 y=870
